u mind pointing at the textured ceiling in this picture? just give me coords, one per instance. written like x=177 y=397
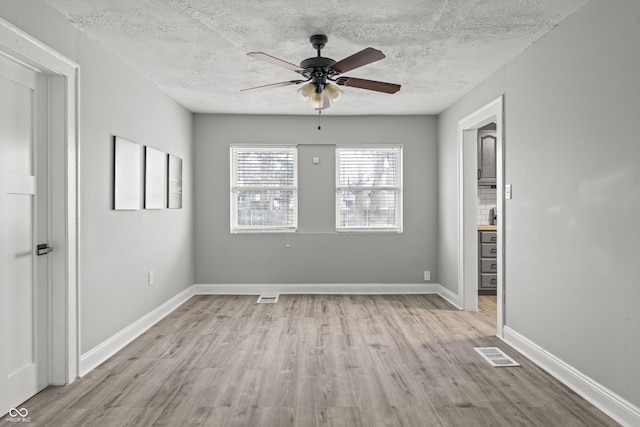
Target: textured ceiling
x=195 y=50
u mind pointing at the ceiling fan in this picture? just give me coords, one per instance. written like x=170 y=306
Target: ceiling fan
x=319 y=72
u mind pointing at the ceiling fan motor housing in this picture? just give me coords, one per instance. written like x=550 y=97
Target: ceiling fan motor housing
x=316 y=62
x=318 y=68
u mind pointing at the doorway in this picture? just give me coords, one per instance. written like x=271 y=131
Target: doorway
x=38 y=192
x=468 y=264
x=486 y=210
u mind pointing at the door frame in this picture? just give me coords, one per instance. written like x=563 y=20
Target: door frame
x=467 y=236
x=64 y=78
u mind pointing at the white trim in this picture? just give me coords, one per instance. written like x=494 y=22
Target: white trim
x=621 y=410
x=450 y=297
x=103 y=351
x=317 y=288
x=398 y=189
x=234 y=228
x=19 y=45
x=493 y=111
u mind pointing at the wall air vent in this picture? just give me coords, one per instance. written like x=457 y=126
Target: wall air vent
x=495 y=356
x=268 y=299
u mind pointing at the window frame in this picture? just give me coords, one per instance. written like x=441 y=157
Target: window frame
x=235 y=228
x=398 y=188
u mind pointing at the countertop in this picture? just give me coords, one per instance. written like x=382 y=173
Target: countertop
x=486 y=227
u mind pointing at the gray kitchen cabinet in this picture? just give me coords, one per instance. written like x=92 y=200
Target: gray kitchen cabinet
x=487 y=157
x=487 y=262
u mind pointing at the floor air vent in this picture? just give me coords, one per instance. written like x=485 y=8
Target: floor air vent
x=268 y=299
x=495 y=356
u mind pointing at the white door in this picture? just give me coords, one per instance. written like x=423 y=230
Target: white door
x=24 y=308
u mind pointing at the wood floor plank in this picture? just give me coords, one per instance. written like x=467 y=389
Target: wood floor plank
x=315 y=360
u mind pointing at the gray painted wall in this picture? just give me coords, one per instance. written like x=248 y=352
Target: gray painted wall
x=572 y=156
x=316 y=253
x=117 y=248
x=572 y=104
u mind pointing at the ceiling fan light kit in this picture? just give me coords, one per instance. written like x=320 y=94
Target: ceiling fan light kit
x=322 y=76
x=333 y=91
x=306 y=91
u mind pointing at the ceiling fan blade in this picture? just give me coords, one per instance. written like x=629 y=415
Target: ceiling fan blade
x=273 y=60
x=368 y=84
x=272 y=86
x=364 y=57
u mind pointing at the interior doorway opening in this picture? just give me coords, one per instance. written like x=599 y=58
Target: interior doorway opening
x=486 y=210
x=469 y=264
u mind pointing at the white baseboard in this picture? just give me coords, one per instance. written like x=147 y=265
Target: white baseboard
x=607 y=401
x=449 y=296
x=317 y=288
x=111 y=346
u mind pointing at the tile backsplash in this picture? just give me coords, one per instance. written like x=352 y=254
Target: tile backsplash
x=486 y=200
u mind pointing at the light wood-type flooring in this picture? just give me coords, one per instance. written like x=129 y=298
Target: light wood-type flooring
x=315 y=360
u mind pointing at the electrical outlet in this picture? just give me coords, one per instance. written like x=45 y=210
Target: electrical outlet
x=427 y=276
x=150 y=277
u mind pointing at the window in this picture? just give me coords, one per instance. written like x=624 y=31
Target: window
x=264 y=194
x=369 y=188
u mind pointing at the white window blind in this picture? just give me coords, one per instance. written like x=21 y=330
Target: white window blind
x=264 y=194
x=369 y=188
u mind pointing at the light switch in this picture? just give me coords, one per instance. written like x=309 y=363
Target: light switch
x=507 y=191
x=316 y=160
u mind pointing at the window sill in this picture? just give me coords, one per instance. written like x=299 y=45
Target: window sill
x=369 y=230
x=265 y=231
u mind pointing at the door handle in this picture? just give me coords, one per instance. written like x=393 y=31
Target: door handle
x=43 y=249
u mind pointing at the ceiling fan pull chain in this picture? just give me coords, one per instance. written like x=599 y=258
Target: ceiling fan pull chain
x=319 y=116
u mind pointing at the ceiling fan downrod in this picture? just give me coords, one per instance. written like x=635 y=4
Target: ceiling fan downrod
x=318 y=41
